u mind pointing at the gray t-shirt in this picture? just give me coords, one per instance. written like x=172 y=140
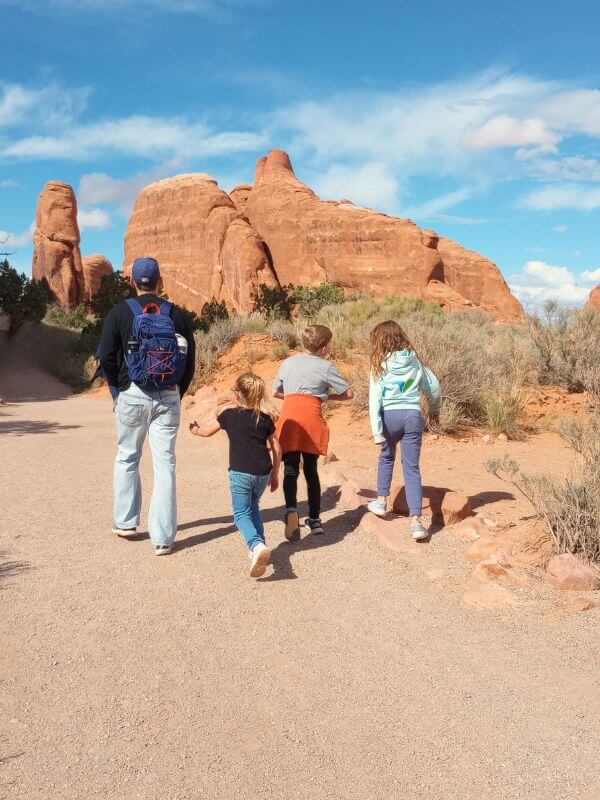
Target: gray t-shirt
x=308 y=374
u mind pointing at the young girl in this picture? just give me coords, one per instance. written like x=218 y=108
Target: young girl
x=397 y=378
x=251 y=469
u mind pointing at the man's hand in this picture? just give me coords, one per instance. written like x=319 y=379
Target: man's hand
x=274 y=481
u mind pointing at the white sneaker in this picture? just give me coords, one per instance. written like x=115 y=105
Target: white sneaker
x=417 y=530
x=125 y=533
x=261 y=555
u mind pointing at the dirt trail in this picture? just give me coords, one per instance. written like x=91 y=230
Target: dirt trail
x=343 y=674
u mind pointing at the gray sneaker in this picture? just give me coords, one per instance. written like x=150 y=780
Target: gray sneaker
x=377 y=508
x=125 y=533
x=314 y=525
x=418 y=531
x=163 y=549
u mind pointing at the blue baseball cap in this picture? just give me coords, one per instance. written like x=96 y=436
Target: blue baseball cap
x=145 y=271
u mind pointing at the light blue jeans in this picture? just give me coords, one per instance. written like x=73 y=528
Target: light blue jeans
x=246 y=491
x=155 y=414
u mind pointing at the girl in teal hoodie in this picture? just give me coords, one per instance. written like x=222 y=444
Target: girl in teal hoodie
x=397 y=380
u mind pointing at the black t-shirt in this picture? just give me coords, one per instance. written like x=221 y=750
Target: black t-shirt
x=117 y=330
x=248 y=437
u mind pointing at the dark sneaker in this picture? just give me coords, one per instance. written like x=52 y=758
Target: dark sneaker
x=315 y=525
x=163 y=550
x=292 y=525
x=125 y=533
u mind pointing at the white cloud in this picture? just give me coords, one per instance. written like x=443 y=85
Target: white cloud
x=433 y=209
x=591 y=277
x=506 y=131
x=570 y=168
x=51 y=106
x=150 y=137
x=576 y=112
x=10 y=184
x=8 y=239
x=370 y=184
x=99 y=188
x=560 y=229
x=570 y=195
x=96 y=218
x=541 y=282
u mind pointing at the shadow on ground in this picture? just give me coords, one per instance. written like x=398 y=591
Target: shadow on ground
x=9 y=569
x=26 y=427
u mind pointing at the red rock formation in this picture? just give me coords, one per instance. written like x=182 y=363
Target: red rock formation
x=594 y=301
x=311 y=241
x=203 y=245
x=95 y=266
x=211 y=244
x=56 y=256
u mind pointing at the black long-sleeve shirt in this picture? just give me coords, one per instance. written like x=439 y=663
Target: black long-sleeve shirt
x=117 y=330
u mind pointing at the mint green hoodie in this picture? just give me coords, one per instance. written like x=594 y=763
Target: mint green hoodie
x=399 y=387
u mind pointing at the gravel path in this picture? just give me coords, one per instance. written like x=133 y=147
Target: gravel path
x=343 y=674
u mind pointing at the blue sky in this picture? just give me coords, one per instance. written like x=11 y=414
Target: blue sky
x=479 y=120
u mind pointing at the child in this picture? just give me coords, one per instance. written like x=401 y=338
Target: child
x=250 y=467
x=304 y=382
x=397 y=376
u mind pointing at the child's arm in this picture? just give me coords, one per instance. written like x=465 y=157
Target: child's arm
x=276 y=451
x=278 y=384
x=375 y=410
x=342 y=390
x=431 y=387
x=208 y=430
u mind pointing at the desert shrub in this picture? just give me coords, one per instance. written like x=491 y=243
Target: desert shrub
x=211 y=312
x=274 y=301
x=283 y=331
x=113 y=288
x=255 y=323
x=309 y=300
x=22 y=298
x=503 y=408
x=565 y=343
x=69 y=318
x=210 y=345
x=253 y=354
x=280 y=351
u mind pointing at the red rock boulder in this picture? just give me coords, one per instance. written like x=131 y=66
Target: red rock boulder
x=443 y=505
x=594 y=301
x=56 y=255
x=94 y=268
x=566 y=571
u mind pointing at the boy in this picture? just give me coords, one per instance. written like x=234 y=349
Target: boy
x=303 y=382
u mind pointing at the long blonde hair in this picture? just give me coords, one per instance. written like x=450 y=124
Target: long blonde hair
x=386 y=338
x=251 y=389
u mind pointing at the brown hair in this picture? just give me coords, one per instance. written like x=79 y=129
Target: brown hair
x=252 y=389
x=386 y=338
x=314 y=337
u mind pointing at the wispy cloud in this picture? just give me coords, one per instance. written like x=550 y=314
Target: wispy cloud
x=48 y=107
x=93 y=218
x=213 y=8
x=592 y=276
x=100 y=188
x=565 y=196
x=8 y=239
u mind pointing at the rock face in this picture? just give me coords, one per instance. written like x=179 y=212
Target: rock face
x=204 y=245
x=277 y=231
x=594 y=301
x=94 y=267
x=56 y=257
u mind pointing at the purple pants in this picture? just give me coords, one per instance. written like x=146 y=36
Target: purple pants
x=404 y=426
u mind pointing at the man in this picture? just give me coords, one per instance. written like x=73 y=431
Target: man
x=142 y=411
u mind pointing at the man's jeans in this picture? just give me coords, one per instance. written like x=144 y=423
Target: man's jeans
x=156 y=414
x=246 y=491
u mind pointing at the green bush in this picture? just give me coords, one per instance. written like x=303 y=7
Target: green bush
x=113 y=288
x=275 y=302
x=211 y=312
x=71 y=319
x=309 y=300
x=22 y=298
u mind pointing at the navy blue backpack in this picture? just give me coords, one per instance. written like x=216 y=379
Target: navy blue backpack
x=153 y=356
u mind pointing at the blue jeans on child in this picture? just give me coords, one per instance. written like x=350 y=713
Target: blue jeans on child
x=246 y=491
x=404 y=426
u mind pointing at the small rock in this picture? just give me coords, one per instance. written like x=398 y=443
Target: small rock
x=350 y=496
x=490 y=548
x=390 y=533
x=504 y=573
x=470 y=529
x=566 y=571
x=577 y=606
x=489 y=597
x=330 y=458
x=487 y=439
x=455 y=507
x=502 y=437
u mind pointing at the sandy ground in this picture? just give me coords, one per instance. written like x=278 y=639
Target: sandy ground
x=345 y=673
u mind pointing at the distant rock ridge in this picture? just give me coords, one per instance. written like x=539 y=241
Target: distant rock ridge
x=277 y=231
x=594 y=301
x=57 y=260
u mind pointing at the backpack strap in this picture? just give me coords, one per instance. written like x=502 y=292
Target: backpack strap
x=135 y=306
x=165 y=308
